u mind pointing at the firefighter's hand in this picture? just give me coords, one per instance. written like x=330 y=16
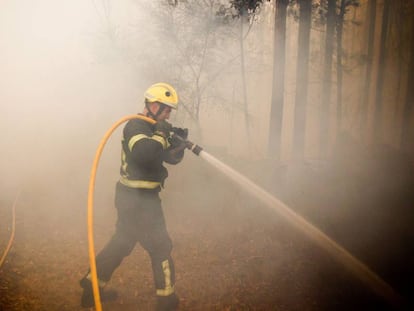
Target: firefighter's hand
x=182 y=132
x=177 y=142
x=163 y=128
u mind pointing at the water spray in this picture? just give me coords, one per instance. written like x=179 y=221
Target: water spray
x=362 y=271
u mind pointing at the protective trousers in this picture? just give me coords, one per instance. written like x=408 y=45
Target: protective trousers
x=140 y=219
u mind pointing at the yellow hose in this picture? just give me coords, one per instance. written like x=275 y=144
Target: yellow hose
x=12 y=231
x=94 y=276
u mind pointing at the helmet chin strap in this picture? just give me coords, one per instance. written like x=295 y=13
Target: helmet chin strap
x=150 y=114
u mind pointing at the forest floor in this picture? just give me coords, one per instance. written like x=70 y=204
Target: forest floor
x=230 y=252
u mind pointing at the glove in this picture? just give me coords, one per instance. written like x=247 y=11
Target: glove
x=183 y=133
x=163 y=128
x=177 y=141
x=175 y=151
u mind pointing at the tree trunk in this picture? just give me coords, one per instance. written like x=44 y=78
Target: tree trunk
x=339 y=32
x=302 y=79
x=371 y=17
x=243 y=19
x=407 y=134
x=381 y=71
x=276 y=109
x=327 y=79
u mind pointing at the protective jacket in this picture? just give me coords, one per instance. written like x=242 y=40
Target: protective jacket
x=143 y=154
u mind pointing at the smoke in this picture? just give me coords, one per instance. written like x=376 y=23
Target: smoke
x=70 y=69
x=57 y=98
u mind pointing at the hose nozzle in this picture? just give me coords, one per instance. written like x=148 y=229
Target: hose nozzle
x=196 y=149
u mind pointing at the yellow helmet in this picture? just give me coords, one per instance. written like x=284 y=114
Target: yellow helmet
x=162 y=93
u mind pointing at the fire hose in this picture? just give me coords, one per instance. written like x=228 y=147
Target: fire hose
x=13 y=229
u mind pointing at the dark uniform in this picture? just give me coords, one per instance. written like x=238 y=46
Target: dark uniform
x=140 y=215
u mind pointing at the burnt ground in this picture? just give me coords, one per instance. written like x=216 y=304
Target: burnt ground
x=231 y=253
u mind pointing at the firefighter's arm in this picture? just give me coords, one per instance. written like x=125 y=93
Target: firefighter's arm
x=147 y=147
x=175 y=152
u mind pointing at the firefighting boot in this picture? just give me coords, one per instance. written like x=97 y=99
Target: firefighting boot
x=167 y=303
x=87 y=299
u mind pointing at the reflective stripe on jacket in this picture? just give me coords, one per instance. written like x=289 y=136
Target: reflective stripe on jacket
x=143 y=184
x=142 y=156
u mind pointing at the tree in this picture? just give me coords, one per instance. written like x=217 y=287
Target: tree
x=305 y=11
x=242 y=8
x=339 y=52
x=327 y=75
x=246 y=6
x=343 y=9
x=194 y=32
x=381 y=72
x=278 y=85
x=245 y=10
x=371 y=18
x=407 y=133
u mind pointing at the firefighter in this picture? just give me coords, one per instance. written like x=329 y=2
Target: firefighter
x=145 y=147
